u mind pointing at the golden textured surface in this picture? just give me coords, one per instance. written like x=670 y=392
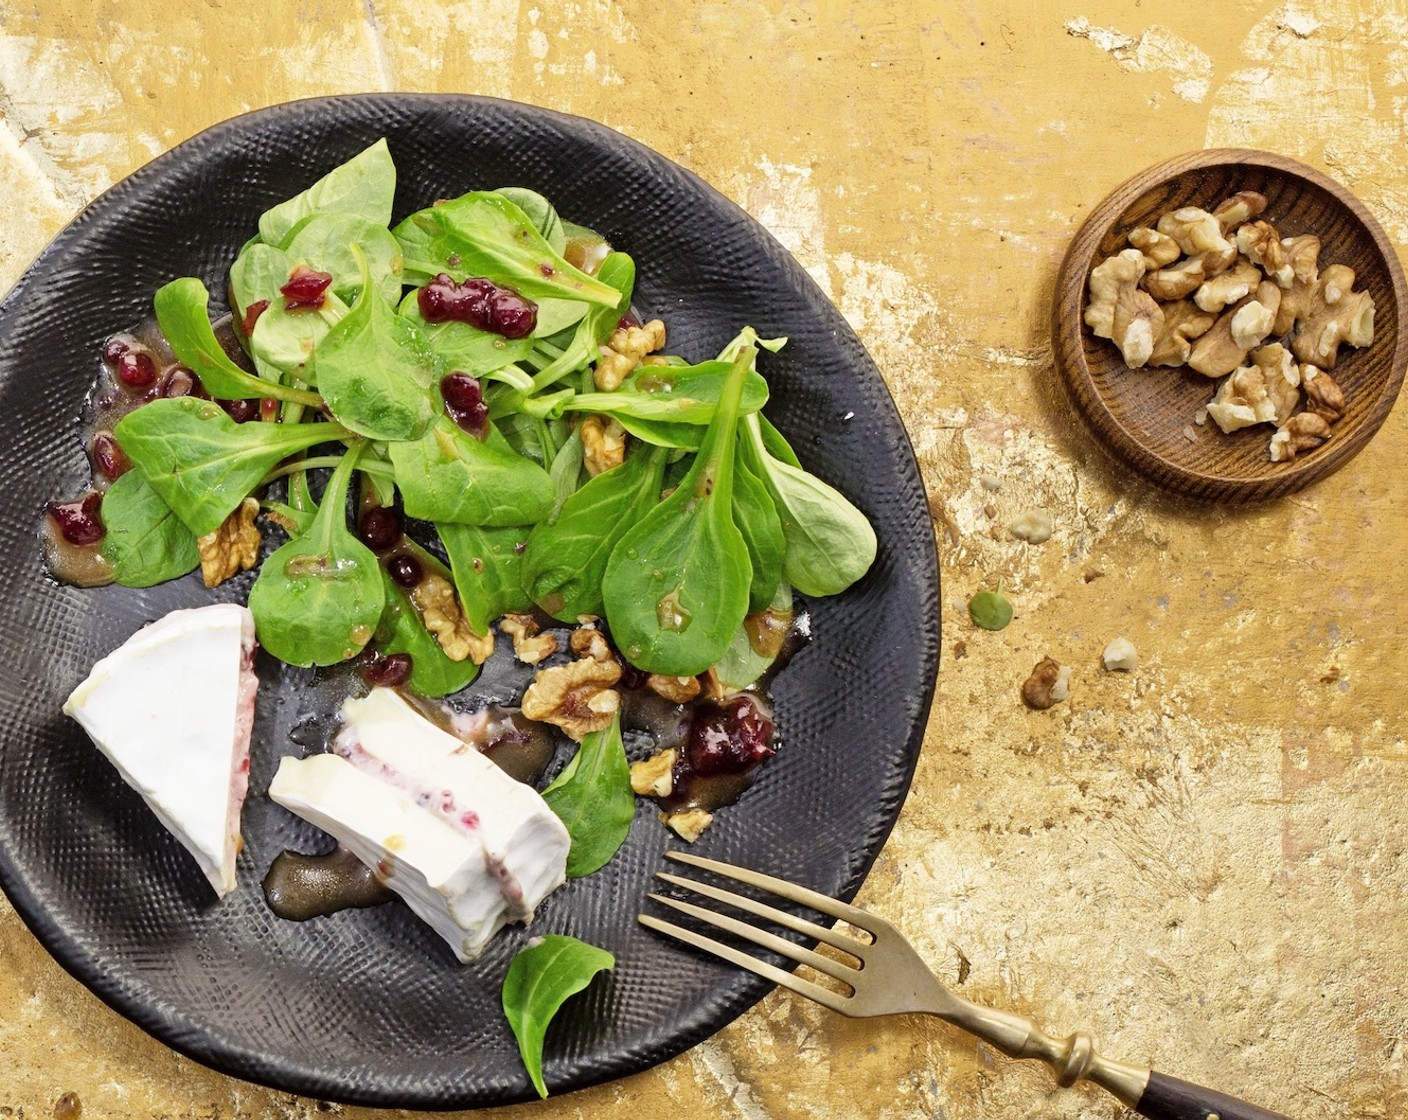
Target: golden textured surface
x=1202 y=861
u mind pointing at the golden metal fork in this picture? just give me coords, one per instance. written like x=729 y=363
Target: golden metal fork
x=891 y=978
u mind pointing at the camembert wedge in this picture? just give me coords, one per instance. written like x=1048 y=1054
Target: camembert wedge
x=172 y=708
x=468 y=847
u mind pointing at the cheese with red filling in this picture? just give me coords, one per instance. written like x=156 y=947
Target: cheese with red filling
x=468 y=847
x=172 y=708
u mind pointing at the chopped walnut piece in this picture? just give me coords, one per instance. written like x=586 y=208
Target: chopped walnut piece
x=1325 y=397
x=588 y=641
x=603 y=443
x=677 y=690
x=1195 y=230
x=529 y=646
x=1049 y=684
x=1252 y=322
x=1302 y=432
x=624 y=350
x=1120 y=311
x=1159 y=249
x=1216 y=262
x=1183 y=322
x=638 y=341
x=689 y=825
x=1261 y=244
x=1241 y=207
x=711 y=688
x=1266 y=392
x=434 y=598
x=231 y=548
x=1216 y=353
x=1303 y=259
x=576 y=697
x=611 y=369
x=655 y=776
x=1231 y=286
x=1175 y=281
x=1326 y=326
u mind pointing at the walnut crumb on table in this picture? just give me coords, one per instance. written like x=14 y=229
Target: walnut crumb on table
x=1049 y=684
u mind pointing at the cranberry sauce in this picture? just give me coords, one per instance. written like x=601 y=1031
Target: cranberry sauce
x=480 y=303
x=728 y=740
x=464 y=401
x=306 y=289
x=299 y=887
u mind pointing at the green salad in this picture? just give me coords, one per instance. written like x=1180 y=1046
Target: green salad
x=461 y=403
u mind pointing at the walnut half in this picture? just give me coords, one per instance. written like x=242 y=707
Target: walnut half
x=577 y=697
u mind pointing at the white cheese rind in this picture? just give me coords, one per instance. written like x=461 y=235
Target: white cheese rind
x=466 y=846
x=171 y=708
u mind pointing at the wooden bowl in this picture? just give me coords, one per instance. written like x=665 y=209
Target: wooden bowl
x=1144 y=416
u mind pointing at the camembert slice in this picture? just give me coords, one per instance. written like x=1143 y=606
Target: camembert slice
x=468 y=847
x=172 y=708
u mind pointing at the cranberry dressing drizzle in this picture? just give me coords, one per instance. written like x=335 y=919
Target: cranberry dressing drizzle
x=136 y=366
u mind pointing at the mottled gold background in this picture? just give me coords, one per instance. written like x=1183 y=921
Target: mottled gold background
x=1204 y=861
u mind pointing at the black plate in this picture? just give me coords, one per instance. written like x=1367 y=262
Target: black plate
x=369 y=1006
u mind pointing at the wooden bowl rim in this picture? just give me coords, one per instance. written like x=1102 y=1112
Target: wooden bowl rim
x=1068 y=337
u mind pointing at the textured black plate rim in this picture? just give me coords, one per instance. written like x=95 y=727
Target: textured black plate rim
x=167 y=1024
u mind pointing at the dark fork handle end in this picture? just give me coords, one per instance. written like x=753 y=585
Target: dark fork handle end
x=1168 y=1098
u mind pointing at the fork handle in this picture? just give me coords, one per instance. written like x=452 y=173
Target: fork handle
x=1151 y=1094
x=1168 y=1098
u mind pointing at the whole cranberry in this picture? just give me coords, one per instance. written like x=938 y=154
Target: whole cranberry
x=380 y=528
x=405 y=569
x=464 y=401
x=386 y=670
x=108 y=457
x=241 y=410
x=135 y=369
x=728 y=738
x=179 y=382
x=113 y=349
x=78 y=521
x=437 y=299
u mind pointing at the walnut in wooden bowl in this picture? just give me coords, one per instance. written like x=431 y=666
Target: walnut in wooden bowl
x=1146 y=415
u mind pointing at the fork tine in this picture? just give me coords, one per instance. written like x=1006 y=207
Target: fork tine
x=781 y=887
x=835 y=969
x=823 y=996
x=768 y=913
